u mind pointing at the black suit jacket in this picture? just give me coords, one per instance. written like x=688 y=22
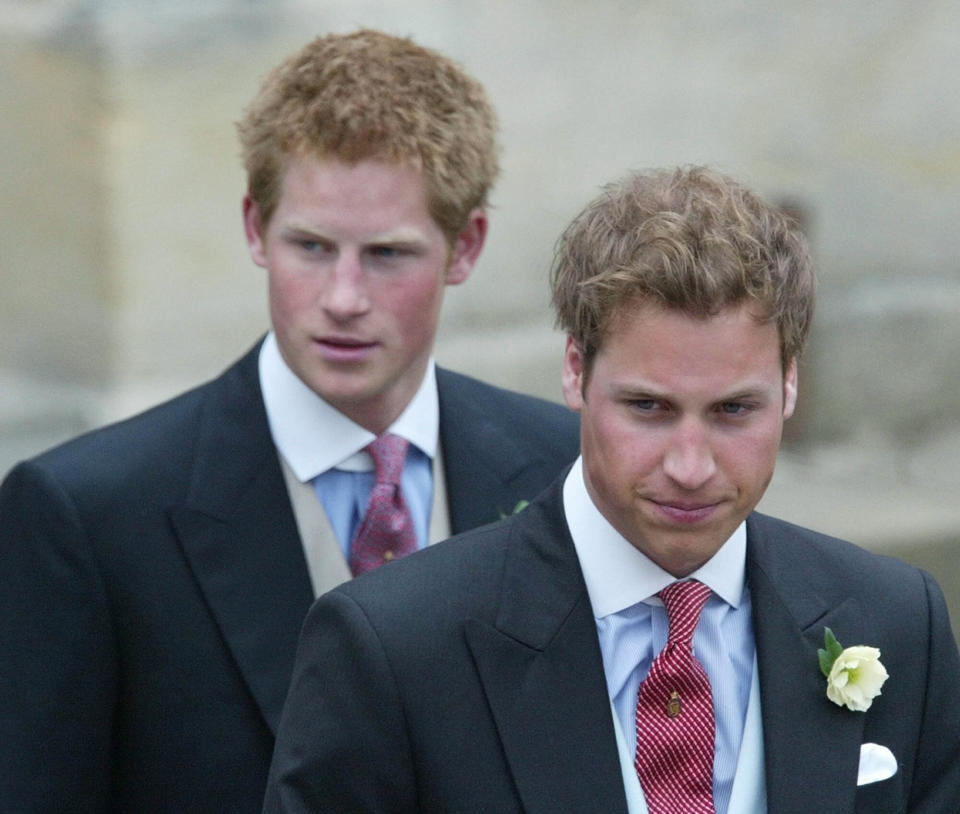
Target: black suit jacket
x=153 y=585
x=468 y=678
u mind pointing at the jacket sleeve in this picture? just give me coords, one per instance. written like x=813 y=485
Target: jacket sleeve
x=342 y=744
x=57 y=653
x=936 y=770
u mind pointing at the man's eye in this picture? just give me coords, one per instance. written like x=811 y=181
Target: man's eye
x=386 y=251
x=644 y=405
x=733 y=408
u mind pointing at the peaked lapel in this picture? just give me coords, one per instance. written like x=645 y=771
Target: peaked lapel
x=489 y=465
x=542 y=672
x=239 y=535
x=811 y=745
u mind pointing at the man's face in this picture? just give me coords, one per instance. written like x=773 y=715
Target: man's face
x=681 y=420
x=357 y=270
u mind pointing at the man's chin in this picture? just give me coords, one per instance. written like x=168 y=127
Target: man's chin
x=348 y=391
x=683 y=547
x=682 y=557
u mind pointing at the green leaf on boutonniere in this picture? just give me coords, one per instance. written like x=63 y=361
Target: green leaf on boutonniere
x=521 y=505
x=829 y=652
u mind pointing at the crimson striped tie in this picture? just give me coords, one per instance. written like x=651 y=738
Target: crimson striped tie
x=675 y=727
x=386 y=531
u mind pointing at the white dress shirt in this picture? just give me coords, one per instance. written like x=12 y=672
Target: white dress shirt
x=632 y=626
x=322 y=446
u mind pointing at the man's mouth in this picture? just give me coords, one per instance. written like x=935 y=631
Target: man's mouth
x=686 y=512
x=344 y=348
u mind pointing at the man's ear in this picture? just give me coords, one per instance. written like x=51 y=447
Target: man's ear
x=573 y=375
x=790 y=388
x=467 y=247
x=253 y=228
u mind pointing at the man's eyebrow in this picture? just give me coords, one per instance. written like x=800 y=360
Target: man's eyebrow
x=746 y=394
x=639 y=390
x=403 y=235
x=748 y=391
x=302 y=228
x=410 y=237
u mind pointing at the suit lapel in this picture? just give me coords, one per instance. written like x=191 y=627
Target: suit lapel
x=541 y=669
x=484 y=462
x=239 y=536
x=811 y=745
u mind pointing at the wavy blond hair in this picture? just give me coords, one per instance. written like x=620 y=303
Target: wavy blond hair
x=690 y=239
x=369 y=95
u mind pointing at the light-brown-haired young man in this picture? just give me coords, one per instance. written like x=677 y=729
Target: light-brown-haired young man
x=154 y=574
x=639 y=638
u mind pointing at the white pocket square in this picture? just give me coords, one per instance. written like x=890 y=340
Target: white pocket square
x=876 y=763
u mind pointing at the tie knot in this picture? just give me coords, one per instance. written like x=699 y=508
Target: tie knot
x=388 y=453
x=684 y=601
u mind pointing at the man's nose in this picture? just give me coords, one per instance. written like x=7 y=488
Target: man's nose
x=689 y=459
x=345 y=292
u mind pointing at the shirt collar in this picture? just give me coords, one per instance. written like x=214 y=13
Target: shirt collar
x=313 y=436
x=618 y=575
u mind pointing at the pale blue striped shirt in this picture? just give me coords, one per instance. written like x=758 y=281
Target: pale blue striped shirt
x=622 y=584
x=345 y=494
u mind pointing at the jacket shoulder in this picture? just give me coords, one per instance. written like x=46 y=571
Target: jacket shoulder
x=553 y=425
x=160 y=439
x=803 y=561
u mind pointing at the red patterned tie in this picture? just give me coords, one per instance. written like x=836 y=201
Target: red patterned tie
x=386 y=531
x=675 y=728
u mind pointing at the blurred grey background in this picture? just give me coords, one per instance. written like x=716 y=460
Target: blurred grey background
x=125 y=276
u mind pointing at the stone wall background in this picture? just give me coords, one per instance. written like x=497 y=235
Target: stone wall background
x=125 y=277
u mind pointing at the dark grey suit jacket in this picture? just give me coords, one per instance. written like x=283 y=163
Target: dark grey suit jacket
x=153 y=585
x=468 y=678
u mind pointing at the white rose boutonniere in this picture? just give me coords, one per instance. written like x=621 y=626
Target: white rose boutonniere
x=854 y=674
